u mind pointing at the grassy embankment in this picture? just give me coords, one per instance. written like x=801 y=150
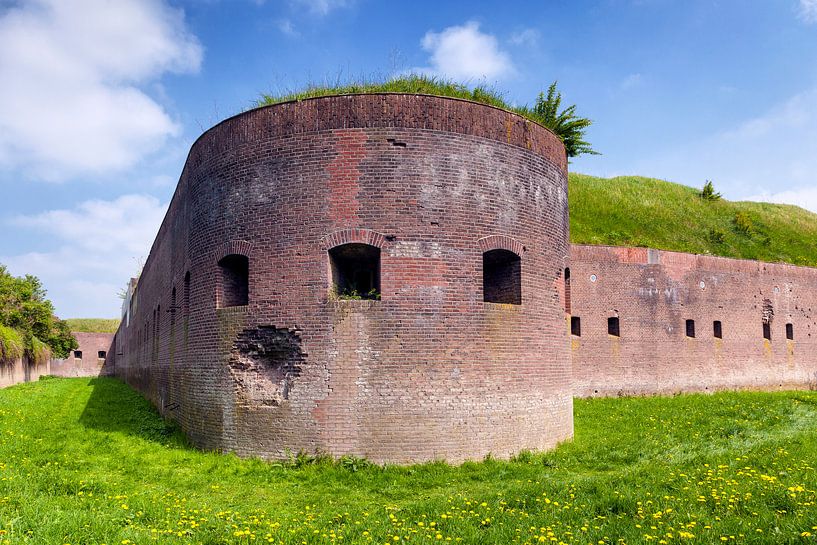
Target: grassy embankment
x=636 y=211
x=88 y=461
x=93 y=325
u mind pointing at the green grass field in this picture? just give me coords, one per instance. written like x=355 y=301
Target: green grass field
x=93 y=325
x=87 y=461
x=636 y=211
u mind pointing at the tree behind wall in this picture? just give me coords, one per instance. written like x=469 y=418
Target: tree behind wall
x=28 y=326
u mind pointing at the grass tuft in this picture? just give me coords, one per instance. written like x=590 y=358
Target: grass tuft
x=411 y=84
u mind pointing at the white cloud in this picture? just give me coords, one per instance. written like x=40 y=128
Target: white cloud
x=286 y=27
x=632 y=80
x=528 y=37
x=99 y=245
x=321 y=7
x=808 y=11
x=804 y=197
x=465 y=53
x=765 y=155
x=71 y=101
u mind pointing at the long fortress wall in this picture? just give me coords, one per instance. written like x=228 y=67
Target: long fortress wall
x=455 y=213
x=389 y=276
x=655 y=296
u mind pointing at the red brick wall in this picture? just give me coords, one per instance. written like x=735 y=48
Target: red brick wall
x=654 y=292
x=429 y=370
x=90 y=365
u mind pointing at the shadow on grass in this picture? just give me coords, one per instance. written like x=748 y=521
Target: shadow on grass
x=115 y=407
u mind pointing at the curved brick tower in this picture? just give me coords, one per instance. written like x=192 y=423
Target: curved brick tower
x=376 y=275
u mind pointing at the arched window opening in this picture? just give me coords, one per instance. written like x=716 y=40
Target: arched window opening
x=501 y=277
x=717 y=329
x=613 y=326
x=235 y=280
x=691 y=328
x=355 y=271
x=567 y=290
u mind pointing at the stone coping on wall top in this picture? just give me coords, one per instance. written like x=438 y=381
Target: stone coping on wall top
x=672 y=259
x=379 y=93
x=381 y=110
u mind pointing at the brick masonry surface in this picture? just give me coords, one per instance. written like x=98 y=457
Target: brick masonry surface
x=428 y=371
x=93 y=347
x=654 y=293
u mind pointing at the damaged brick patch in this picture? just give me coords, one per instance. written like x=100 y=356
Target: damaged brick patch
x=264 y=363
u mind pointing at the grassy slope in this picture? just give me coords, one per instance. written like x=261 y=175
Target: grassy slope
x=93 y=325
x=637 y=211
x=88 y=461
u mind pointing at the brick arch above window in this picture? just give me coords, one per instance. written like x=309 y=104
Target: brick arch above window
x=501 y=242
x=234 y=247
x=349 y=236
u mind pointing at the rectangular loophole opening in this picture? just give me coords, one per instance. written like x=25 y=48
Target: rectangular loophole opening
x=355 y=271
x=501 y=277
x=767 y=331
x=575 y=326
x=101 y=354
x=790 y=332
x=235 y=280
x=717 y=330
x=613 y=327
x=690 y=328
x=567 y=290
x=78 y=354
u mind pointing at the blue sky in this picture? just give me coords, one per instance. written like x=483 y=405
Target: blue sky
x=100 y=101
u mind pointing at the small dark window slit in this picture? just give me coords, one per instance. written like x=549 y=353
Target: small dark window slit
x=613 y=327
x=394 y=142
x=575 y=326
x=690 y=325
x=717 y=329
x=790 y=332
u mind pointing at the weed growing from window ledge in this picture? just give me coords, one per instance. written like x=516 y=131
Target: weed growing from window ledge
x=353 y=295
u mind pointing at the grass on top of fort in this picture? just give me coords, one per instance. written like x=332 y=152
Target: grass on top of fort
x=638 y=211
x=93 y=325
x=87 y=461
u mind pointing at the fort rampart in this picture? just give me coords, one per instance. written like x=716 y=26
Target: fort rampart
x=389 y=276
x=375 y=275
x=647 y=321
x=86 y=361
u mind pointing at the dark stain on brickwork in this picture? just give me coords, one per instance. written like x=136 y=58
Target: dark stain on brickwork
x=264 y=363
x=768 y=311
